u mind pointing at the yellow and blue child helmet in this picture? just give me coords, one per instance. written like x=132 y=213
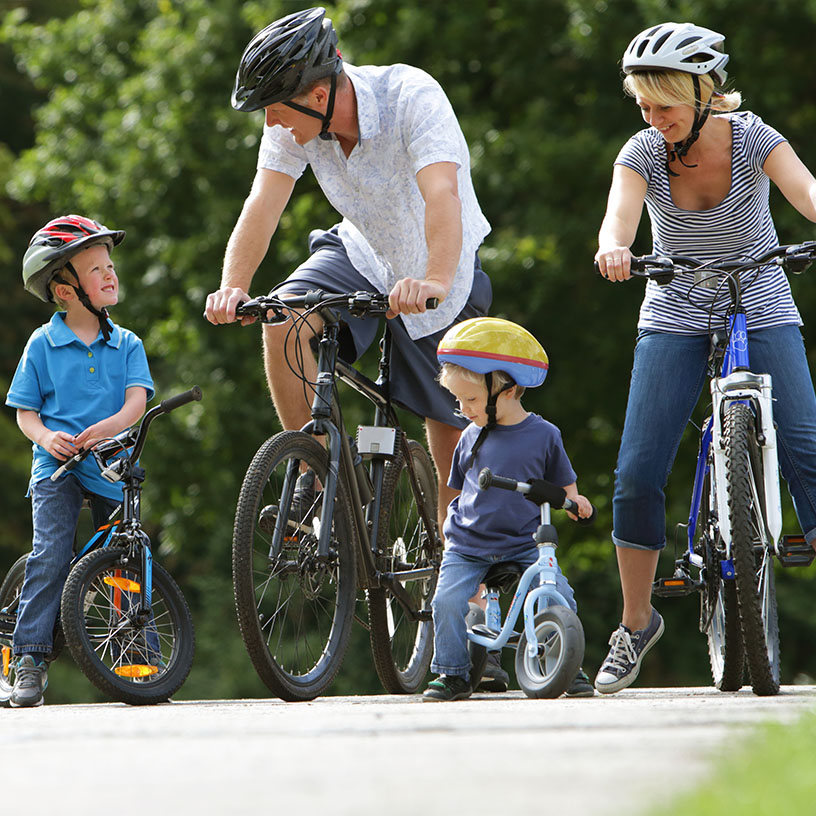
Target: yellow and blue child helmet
x=485 y=344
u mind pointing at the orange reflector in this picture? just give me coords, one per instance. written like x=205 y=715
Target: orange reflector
x=6 y=660
x=135 y=670
x=669 y=582
x=122 y=583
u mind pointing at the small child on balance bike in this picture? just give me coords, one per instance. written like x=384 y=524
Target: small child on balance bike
x=486 y=364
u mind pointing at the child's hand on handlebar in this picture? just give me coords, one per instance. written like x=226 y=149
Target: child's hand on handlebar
x=59 y=444
x=585 y=508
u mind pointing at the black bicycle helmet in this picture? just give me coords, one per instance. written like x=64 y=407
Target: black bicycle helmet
x=286 y=58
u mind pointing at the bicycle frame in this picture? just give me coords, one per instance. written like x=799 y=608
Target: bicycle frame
x=327 y=420
x=531 y=600
x=737 y=383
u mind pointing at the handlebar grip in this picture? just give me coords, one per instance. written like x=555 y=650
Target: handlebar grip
x=171 y=403
x=489 y=479
x=69 y=465
x=432 y=303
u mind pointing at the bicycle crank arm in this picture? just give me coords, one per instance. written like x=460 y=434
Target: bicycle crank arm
x=391 y=581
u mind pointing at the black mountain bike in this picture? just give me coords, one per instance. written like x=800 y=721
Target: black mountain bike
x=321 y=515
x=123 y=617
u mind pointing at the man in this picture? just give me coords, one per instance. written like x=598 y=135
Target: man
x=387 y=150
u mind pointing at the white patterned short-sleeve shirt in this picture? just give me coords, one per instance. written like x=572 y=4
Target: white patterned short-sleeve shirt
x=406 y=123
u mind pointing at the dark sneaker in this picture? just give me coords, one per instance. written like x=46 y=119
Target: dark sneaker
x=494 y=677
x=30 y=681
x=447 y=687
x=305 y=503
x=581 y=686
x=622 y=664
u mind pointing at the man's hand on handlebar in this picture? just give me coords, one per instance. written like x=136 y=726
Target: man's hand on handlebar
x=410 y=295
x=221 y=306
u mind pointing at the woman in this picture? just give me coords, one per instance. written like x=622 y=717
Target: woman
x=703 y=171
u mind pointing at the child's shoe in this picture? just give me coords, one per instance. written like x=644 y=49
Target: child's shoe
x=30 y=681
x=581 y=686
x=494 y=677
x=447 y=687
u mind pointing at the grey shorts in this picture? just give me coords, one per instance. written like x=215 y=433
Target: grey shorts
x=414 y=365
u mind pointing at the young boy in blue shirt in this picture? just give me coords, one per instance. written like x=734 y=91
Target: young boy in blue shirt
x=486 y=364
x=81 y=379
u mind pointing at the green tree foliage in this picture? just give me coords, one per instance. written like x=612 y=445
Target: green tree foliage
x=119 y=109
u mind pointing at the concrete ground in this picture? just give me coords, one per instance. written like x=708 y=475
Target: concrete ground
x=377 y=754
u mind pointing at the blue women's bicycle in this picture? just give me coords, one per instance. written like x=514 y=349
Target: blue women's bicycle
x=550 y=648
x=735 y=519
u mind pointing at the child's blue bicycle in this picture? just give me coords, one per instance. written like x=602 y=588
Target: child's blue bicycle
x=123 y=617
x=550 y=648
x=735 y=519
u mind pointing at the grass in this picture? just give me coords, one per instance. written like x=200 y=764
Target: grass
x=770 y=773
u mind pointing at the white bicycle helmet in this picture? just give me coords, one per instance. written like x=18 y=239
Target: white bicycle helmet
x=678 y=47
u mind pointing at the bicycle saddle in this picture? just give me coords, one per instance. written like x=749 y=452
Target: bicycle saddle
x=504 y=576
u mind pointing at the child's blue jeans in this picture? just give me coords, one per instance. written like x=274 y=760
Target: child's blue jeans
x=459 y=578
x=55 y=510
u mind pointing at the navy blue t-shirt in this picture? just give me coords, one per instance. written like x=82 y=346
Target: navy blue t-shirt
x=494 y=521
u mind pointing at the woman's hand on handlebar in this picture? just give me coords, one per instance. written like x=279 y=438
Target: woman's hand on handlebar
x=410 y=295
x=221 y=306
x=614 y=263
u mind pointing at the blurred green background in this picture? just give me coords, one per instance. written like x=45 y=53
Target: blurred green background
x=119 y=109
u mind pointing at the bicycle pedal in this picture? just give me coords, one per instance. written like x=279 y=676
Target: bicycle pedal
x=794 y=551
x=7 y=624
x=675 y=587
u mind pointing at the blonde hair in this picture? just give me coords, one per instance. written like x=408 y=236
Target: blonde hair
x=677 y=88
x=500 y=378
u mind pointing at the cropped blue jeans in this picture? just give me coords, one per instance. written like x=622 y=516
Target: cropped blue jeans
x=668 y=376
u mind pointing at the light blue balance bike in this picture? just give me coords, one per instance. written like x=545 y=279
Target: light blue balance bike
x=550 y=648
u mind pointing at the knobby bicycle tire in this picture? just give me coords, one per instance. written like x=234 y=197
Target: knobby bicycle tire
x=719 y=615
x=402 y=648
x=135 y=661
x=753 y=561
x=294 y=610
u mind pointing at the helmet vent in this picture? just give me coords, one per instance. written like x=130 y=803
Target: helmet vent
x=658 y=44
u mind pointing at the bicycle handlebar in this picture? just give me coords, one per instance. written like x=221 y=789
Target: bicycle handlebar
x=131 y=437
x=793 y=258
x=537 y=491
x=357 y=303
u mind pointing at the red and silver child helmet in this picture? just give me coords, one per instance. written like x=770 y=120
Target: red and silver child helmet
x=53 y=246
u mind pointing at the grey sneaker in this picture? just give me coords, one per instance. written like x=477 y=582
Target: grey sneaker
x=580 y=686
x=446 y=688
x=30 y=681
x=494 y=677
x=622 y=664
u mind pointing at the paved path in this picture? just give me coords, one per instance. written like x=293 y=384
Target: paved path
x=374 y=755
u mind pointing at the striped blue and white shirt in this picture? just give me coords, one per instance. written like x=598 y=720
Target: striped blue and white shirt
x=740 y=225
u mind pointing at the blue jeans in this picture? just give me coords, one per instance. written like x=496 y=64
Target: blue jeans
x=459 y=578
x=55 y=510
x=668 y=376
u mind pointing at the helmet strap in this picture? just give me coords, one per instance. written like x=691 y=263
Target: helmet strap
x=82 y=295
x=325 y=118
x=490 y=410
x=679 y=149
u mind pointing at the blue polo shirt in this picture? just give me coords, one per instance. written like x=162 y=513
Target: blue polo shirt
x=72 y=385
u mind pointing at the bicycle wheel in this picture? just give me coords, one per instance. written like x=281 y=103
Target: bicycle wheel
x=561 y=644
x=132 y=659
x=403 y=647
x=294 y=608
x=753 y=561
x=719 y=615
